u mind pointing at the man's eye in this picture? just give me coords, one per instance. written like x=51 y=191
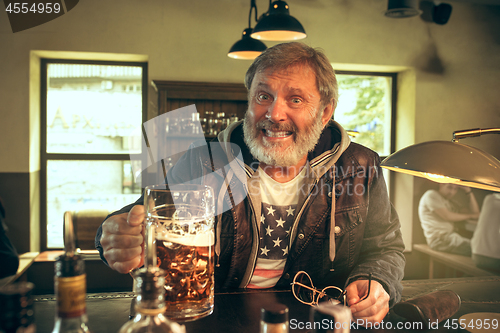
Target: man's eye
x=263 y=97
x=296 y=100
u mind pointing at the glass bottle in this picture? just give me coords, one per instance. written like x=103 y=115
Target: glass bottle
x=274 y=319
x=16 y=308
x=333 y=316
x=149 y=304
x=70 y=286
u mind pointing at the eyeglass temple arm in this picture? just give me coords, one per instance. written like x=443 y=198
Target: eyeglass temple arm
x=321 y=293
x=369 y=287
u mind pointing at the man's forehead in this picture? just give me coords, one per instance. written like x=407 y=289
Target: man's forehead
x=298 y=68
x=261 y=77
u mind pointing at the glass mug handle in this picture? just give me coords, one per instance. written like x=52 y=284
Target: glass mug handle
x=149 y=244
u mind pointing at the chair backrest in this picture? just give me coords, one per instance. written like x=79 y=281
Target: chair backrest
x=85 y=224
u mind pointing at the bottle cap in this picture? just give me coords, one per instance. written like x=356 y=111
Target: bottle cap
x=274 y=313
x=69 y=265
x=150 y=282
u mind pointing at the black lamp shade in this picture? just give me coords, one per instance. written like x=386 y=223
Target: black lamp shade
x=402 y=8
x=278 y=25
x=247 y=47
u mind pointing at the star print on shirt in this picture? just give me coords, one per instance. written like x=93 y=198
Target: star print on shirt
x=264 y=251
x=280 y=222
x=269 y=231
x=275 y=230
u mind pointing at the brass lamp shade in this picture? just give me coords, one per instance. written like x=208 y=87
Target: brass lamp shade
x=278 y=25
x=447 y=162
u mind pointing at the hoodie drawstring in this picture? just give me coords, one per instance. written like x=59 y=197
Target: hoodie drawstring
x=220 y=207
x=332 y=222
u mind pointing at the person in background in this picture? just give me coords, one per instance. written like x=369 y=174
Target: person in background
x=485 y=242
x=9 y=259
x=438 y=214
x=310 y=199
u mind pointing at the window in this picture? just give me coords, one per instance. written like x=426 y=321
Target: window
x=366 y=109
x=89 y=109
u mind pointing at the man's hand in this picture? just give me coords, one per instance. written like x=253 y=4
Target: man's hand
x=122 y=240
x=372 y=309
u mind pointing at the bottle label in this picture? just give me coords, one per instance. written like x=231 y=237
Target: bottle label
x=70 y=294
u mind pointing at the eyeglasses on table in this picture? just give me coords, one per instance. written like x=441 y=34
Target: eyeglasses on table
x=305 y=292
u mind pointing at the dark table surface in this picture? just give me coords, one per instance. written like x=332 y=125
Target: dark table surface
x=240 y=311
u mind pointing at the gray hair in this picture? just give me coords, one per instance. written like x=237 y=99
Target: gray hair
x=286 y=55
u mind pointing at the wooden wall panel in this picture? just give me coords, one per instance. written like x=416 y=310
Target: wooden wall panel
x=216 y=97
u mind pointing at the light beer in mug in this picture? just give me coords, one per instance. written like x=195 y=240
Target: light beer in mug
x=188 y=261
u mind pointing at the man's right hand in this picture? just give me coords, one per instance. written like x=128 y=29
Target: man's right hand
x=122 y=240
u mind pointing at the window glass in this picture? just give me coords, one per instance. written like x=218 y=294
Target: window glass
x=78 y=185
x=91 y=111
x=92 y=108
x=364 y=109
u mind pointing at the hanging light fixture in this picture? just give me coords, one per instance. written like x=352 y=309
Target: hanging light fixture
x=449 y=162
x=278 y=25
x=402 y=8
x=247 y=47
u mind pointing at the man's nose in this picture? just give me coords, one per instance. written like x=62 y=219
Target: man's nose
x=277 y=112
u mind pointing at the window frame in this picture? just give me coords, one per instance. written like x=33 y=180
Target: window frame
x=393 y=100
x=394 y=91
x=45 y=156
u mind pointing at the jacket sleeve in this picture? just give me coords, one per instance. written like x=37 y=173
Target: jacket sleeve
x=382 y=247
x=9 y=259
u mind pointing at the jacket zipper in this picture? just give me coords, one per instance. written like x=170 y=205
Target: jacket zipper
x=254 y=253
x=299 y=215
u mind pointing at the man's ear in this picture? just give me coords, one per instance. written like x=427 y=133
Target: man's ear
x=327 y=113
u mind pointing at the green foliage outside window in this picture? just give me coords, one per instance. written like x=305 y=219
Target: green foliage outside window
x=368 y=111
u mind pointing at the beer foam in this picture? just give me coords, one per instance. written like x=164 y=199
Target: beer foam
x=204 y=239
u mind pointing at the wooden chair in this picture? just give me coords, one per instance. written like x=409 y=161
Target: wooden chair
x=85 y=225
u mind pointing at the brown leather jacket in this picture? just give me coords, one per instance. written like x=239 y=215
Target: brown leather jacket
x=367 y=237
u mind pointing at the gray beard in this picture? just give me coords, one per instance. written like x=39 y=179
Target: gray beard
x=303 y=142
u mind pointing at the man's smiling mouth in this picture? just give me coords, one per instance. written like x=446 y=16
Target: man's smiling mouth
x=278 y=134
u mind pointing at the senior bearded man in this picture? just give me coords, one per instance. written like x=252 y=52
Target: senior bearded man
x=335 y=218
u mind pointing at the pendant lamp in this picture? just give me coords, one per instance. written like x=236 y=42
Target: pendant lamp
x=402 y=8
x=278 y=25
x=247 y=48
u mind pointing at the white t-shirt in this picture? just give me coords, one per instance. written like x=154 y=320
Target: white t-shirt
x=486 y=238
x=434 y=226
x=279 y=207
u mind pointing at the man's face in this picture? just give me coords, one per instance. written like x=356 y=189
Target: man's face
x=448 y=190
x=284 y=119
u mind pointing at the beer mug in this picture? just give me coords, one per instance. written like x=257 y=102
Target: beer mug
x=180 y=240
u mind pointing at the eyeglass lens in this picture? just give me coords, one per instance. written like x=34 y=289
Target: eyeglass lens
x=300 y=288
x=331 y=294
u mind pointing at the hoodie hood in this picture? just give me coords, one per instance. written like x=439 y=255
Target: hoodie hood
x=333 y=141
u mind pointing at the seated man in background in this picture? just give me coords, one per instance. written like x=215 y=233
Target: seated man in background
x=438 y=214
x=343 y=227
x=485 y=242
